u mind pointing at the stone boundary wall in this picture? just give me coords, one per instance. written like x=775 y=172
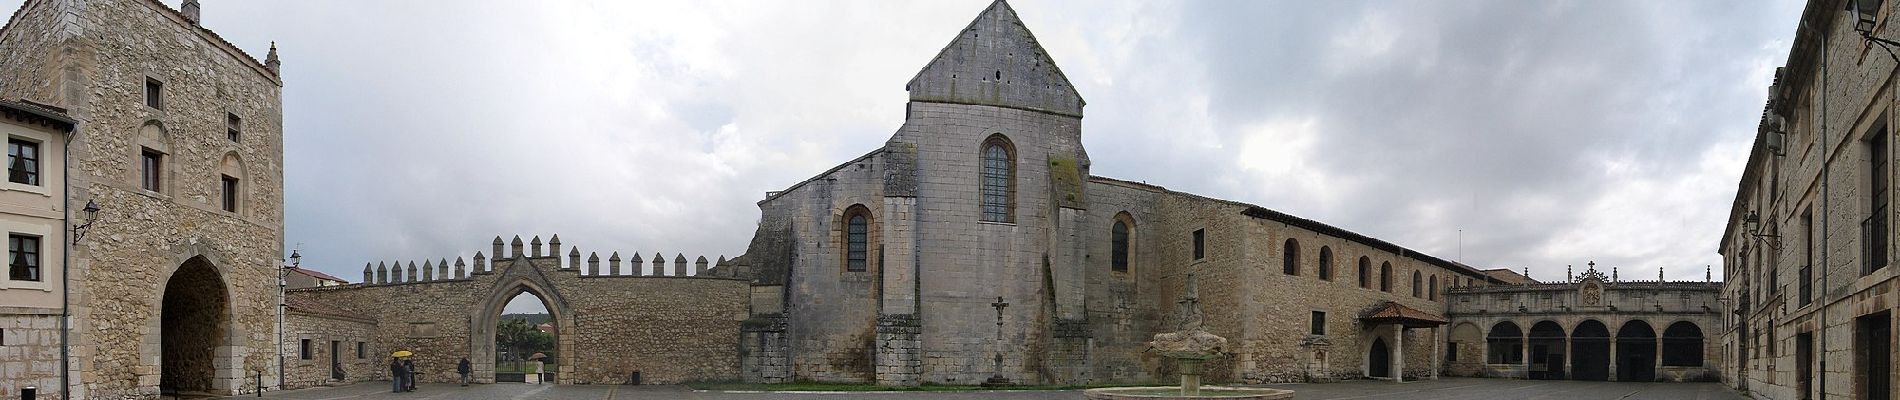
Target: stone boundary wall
x=321 y=329
x=671 y=328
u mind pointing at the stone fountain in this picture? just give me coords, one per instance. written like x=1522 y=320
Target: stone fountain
x=1189 y=346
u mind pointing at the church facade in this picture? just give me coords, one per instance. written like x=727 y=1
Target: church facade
x=975 y=246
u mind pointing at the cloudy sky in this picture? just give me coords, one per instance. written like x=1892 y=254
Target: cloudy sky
x=1500 y=133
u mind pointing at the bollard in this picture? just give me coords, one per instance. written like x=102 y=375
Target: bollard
x=29 y=392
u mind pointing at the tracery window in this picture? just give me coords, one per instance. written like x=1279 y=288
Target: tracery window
x=999 y=177
x=857 y=239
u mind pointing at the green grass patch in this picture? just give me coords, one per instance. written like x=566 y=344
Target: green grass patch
x=860 y=387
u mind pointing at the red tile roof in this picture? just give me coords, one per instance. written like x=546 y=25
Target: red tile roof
x=318 y=275
x=1392 y=312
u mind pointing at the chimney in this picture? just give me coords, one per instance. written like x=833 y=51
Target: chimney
x=190 y=9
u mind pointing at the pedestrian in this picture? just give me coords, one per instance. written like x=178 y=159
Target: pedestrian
x=409 y=366
x=464 y=369
x=397 y=373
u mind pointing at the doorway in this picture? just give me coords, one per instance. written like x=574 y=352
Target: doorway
x=1379 y=362
x=1590 y=352
x=1803 y=365
x=193 y=321
x=336 y=360
x=1873 y=335
x=1636 y=352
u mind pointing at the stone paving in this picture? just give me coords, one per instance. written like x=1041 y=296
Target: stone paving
x=1446 y=389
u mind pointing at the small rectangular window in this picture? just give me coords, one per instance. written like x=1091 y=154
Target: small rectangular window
x=1200 y=244
x=23 y=257
x=234 y=127
x=23 y=162
x=303 y=349
x=361 y=350
x=151 y=169
x=1319 y=322
x=154 y=94
x=230 y=194
x=1451 y=351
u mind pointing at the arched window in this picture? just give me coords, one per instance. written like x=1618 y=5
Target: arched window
x=1433 y=294
x=1505 y=344
x=999 y=180
x=1119 y=242
x=1365 y=273
x=1325 y=263
x=1682 y=345
x=1290 y=259
x=1385 y=277
x=857 y=238
x=1417 y=285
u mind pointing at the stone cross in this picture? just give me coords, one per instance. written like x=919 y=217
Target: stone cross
x=998 y=377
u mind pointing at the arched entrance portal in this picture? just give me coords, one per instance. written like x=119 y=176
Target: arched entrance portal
x=1379 y=361
x=524 y=341
x=194 y=323
x=1636 y=352
x=1547 y=351
x=482 y=337
x=1590 y=351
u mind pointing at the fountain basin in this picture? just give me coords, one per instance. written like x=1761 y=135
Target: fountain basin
x=1174 y=392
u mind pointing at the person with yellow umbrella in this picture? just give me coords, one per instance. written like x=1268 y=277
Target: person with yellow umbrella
x=402 y=371
x=397 y=371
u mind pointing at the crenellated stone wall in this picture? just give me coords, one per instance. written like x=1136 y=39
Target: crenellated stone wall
x=679 y=324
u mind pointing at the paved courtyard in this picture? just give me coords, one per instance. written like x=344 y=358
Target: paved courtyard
x=1446 y=389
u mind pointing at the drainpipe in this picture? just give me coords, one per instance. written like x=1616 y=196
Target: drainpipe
x=1825 y=210
x=66 y=264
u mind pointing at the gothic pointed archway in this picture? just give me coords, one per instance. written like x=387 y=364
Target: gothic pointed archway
x=194 y=325
x=1379 y=360
x=516 y=280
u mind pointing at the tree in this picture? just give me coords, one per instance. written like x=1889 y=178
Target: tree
x=521 y=339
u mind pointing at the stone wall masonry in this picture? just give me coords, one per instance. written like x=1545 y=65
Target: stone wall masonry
x=94 y=58
x=320 y=330
x=670 y=328
x=31 y=339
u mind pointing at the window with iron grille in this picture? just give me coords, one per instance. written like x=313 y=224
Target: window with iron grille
x=23 y=253
x=999 y=173
x=1874 y=228
x=857 y=243
x=23 y=162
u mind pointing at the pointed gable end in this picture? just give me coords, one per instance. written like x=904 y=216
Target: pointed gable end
x=996 y=62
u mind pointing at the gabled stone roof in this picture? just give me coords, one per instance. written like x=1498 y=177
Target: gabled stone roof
x=996 y=61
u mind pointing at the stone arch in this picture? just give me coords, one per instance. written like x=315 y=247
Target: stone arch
x=996 y=179
x=195 y=263
x=1290 y=258
x=1326 y=263
x=1547 y=357
x=1682 y=345
x=487 y=313
x=1122 y=243
x=154 y=138
x=1365 y=272
x=1378 y=359
x=1636 y=352
x=857 y=235
x=1504 y=344
x=1466 y=347
x=1590 y=351
x=231 y=168
x=1385 y=276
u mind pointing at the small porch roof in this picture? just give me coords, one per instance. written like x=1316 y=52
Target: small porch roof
x=1392 y=312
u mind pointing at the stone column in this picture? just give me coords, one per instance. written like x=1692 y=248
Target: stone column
x=1525 y=341
x=1398 y=352
x=1436 y=354
x=1613 y=359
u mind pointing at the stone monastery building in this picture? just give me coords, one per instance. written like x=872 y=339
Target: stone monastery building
x=973 y=246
